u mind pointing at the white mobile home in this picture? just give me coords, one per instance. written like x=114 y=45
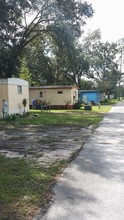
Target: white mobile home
x=12 y=93
x=58 y=96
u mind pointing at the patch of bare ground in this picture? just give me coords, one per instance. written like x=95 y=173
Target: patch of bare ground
x=42 y=144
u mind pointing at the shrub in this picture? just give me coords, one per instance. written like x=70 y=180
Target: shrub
x=104 y=101
x=77 y=105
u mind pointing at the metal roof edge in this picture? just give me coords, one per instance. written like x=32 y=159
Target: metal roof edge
x=54 y=87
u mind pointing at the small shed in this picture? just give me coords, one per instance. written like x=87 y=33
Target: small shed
x=89 y=96
x=58 y=97
x=12 y=93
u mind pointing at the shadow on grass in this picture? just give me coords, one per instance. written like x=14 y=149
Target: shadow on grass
x=24 y=188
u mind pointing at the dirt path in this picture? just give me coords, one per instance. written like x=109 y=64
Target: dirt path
x=43 y=144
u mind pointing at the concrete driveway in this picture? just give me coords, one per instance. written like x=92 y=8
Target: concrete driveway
x=92 y=187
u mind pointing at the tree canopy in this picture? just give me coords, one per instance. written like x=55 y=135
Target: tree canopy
x=102 y=58
x=22 y=21
x=39 y=41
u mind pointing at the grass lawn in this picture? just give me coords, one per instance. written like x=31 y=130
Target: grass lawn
x=24 y=187
x=62 y=117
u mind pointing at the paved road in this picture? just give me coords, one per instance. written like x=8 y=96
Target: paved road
x=92 y=187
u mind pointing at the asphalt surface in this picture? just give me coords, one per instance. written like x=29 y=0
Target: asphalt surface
x=92 y=187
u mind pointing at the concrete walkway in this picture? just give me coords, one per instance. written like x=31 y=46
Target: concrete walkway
x=92 y=187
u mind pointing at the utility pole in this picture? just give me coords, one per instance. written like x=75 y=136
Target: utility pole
x=121 y=62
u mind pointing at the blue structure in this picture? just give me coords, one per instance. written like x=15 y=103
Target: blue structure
x=89 y=96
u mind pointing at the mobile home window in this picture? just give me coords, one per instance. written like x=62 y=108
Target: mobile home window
x=19 y=89
x=41 y=94
x=60 y=92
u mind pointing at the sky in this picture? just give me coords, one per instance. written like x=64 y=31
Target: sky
x=109 y=18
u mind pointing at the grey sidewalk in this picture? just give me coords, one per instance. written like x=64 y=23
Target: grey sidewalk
x=92 y=187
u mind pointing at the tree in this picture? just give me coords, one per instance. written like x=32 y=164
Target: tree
x=68 y=55
x=24 y=71
x=79 y=66
x=58 y=59
x=120 y=44
x=39 y=62
x=87 y=84
x=17 y=31
x=102 y=60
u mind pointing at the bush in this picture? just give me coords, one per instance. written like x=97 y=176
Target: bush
x=104 y=101
x=27 y=114
x=13 y=117
x=77 y=105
